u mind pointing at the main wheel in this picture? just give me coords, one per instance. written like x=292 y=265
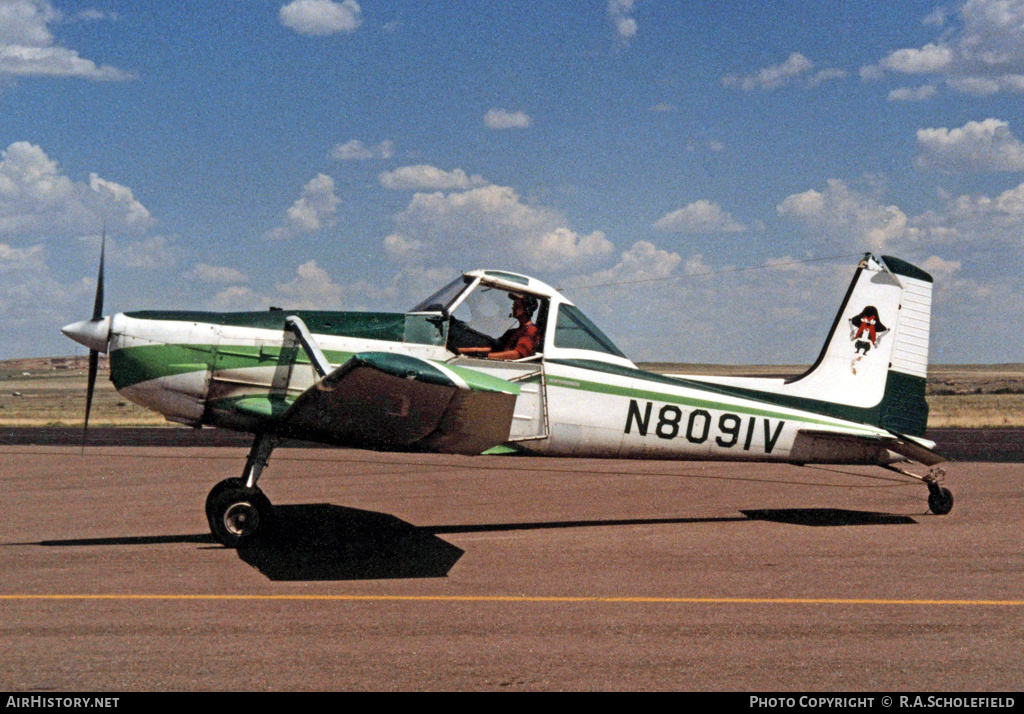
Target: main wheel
x=219 y=489
x=940 y=500
x=237 y=513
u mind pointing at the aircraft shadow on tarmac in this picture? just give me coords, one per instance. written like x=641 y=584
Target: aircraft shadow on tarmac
x=827 y=517
x=326 y=542
x=321 y=542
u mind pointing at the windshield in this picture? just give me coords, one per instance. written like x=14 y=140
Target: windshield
x=439 y=301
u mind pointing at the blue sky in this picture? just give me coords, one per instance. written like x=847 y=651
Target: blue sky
x=358 y=155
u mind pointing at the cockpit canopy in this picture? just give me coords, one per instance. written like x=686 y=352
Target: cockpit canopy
x=474 y=310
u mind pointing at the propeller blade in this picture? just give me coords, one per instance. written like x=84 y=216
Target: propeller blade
x=94 y=359
x=97 y=309
x=94 y=356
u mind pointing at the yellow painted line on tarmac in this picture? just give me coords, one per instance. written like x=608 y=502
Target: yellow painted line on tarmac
x=520 y=599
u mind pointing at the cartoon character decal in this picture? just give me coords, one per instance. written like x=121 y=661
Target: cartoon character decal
x=866 y=331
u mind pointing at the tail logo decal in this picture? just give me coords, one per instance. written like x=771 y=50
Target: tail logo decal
x=866 y=331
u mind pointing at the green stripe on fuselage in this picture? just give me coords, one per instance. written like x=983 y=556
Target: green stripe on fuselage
x=869 y=416
x=131 y=365
x=264 y=407
x=482 y=382
x=653 y=396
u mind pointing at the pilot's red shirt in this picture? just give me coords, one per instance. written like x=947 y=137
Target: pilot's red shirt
x=524 y=340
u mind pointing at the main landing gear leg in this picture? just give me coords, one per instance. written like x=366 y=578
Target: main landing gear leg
x=236 y=508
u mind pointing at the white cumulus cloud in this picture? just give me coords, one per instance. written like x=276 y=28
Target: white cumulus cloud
x=355 y=150
x=987 y=145
x=321 y=17
x=979 y=50
x=643 y=261
x=842 y=215
x=32 y=298
x=926 y=60
x=699 y=217
x=563 y=247
x=912 y=94
x=152 y=253
x=205 y=273
x=402 y=248
x=796 y=70
x=505 y=119
x=314 y=210
x=311 y=288
x=37 y=198
x=491 y=225
x=21 y=260
x=27 y=47
x=423 y=177
x=620 y=12
x=980 y=225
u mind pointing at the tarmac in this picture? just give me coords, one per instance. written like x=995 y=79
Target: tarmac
x=398 y=572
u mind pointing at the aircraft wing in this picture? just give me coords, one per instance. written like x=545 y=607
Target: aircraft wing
x=391 y=401
x=823 y=446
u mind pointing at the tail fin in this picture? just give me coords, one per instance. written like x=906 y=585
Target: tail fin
x=876 y=357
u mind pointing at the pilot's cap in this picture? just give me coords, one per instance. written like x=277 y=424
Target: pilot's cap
x=529 y=302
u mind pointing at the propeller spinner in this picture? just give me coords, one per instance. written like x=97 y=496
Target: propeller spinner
x=94 y=334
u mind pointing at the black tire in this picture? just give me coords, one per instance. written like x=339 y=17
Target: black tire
x=940 y=501
x=239 y=514
x=216 y=491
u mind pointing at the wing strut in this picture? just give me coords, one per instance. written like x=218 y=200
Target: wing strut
x=316 y=356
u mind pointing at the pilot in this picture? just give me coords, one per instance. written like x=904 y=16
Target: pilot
x=519 y=342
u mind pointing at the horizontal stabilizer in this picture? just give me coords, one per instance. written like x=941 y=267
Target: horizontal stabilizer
x=914 y=450
x=829 y=447
x=385 y=401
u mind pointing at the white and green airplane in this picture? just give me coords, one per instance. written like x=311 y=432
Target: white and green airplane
x=402 y=382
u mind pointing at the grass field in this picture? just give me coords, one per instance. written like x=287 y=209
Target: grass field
x=51 y=391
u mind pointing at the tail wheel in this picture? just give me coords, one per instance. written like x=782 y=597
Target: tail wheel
x=237 y=514
x=940 y=500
